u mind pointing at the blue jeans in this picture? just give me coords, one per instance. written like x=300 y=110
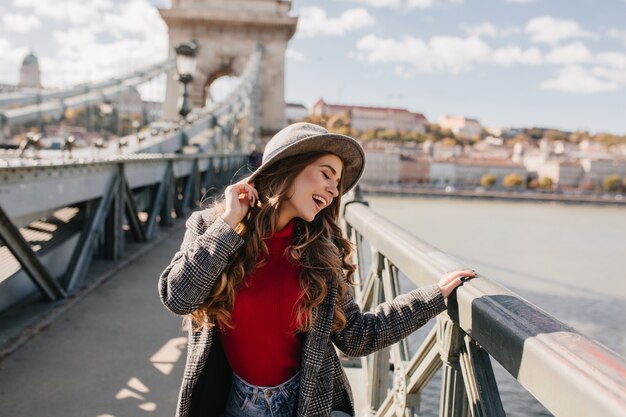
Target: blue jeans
x=246 y=400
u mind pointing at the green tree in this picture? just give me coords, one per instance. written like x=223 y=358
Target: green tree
x=389 y=134
x=512 y=181
x=450 y=142
x=488 y=180
x=589 y=186
x=553 y=135
x=611 y=183
x=520 y=138
x=545 y=183
x=579 y=136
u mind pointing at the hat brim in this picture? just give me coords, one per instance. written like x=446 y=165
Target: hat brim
x=345 y=147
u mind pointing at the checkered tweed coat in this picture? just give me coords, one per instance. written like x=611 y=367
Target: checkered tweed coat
x=186 y=283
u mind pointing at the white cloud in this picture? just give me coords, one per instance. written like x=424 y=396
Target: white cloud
x=612 y=59
x=406 y=4
x=17 y=22
x=516 y=55
x=12 y=54
x=573 y=53
x=489 y=30
x=134 y=17
x=546 y=29
x=420 y=4
x=72 y=42
x=392 y=4
x=314 y=22
x=576 y=79
x=294 y=55
x=74 y=11
x=619 y=34
x=486 y=29
x=427 y=4
x=82 y=55
x=441 y=53
x=615 y=75
x=85 y=62
x=11 y=57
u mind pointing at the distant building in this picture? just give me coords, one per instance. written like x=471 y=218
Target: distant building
x=562 y=172
x=590 y=147
x=30 y=76
x=414 y=169
x=8 y=88
x=382 y=167
x=130 y=103
x=461 y=125
x=494 y=131
x=490 y=147
x=153 y=110
x=533 y=159
x=366 y=117
x=468 y=172
x=440 y=150
x=296 y=112
x=596 y=170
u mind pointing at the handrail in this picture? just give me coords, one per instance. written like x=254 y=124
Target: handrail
x=570 y=374
x=106 y=194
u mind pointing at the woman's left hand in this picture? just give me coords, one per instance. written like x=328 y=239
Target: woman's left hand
x=453 y=279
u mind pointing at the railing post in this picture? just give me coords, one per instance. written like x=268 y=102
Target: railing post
x=405 y=403
x=114 y=232
x=170 y=196
x=378 y=362
x=453 y=397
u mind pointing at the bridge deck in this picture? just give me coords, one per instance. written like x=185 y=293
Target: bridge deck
x=117 y=352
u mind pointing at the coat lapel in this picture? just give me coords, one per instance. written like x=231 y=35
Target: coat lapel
x=314 y=351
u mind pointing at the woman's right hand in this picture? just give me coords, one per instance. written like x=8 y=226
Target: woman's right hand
x=239 y=198
x=451 y=280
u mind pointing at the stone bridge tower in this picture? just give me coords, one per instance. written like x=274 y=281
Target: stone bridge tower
x=227 y=33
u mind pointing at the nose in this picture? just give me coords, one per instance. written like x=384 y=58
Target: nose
x=333 y=190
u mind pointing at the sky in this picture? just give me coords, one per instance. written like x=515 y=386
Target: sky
x=507 y=63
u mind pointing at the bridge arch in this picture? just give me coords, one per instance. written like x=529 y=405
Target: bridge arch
x=227 y=34
x=227 y=69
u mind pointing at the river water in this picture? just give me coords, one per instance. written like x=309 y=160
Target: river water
x=569 y=260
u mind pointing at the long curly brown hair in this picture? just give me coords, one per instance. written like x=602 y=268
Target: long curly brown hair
x=318 y=246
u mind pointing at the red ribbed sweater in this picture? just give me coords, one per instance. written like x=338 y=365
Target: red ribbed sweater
x=263 y=348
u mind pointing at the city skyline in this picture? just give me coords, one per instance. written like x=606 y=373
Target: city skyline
x=505 y=63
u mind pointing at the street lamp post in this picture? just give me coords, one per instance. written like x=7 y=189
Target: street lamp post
x=186 y=67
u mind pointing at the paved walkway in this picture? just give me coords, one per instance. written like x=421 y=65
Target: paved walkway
x=116 y=353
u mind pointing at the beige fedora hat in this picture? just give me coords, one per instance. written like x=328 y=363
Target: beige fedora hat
x=300 y=138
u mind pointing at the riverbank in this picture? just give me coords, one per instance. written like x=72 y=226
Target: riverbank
x=391 y=190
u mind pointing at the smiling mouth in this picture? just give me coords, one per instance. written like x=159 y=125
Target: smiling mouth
x=318 y=203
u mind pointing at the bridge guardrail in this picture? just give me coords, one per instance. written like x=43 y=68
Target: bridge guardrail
x=128 y=197
x=570 y=374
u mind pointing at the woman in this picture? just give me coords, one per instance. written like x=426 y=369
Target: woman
x=263 y=277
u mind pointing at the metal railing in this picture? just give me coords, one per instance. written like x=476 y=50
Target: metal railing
x=125 y=197
x=568 y=373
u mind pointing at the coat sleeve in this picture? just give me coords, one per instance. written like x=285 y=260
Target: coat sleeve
x=389 y=323
x=187 y=281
